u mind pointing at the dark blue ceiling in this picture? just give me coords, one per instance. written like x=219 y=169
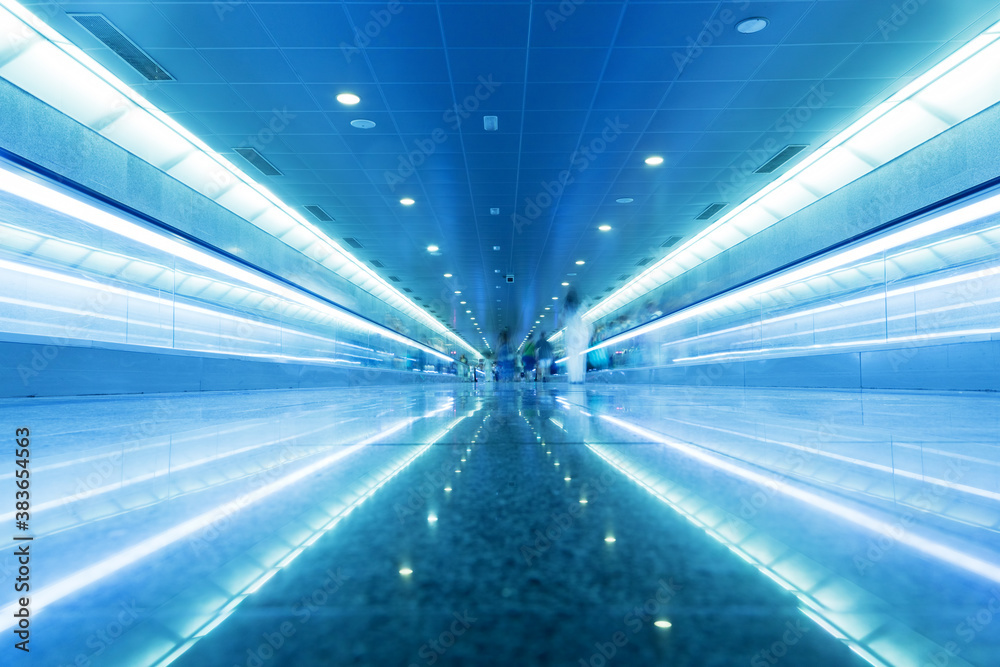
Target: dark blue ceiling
x=586 y=89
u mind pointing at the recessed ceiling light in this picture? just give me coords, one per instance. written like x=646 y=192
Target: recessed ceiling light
x=468 y=311
x=432 y=248
x=580 y=262
x=750 y=26
x=625 y=200
x=363 y=123
x=458 y=292
x=555 y=298
x=548 y=307
x=406 y=201
x=654 y=160
x=605 y=228
x=565 y=284
x=348 y=98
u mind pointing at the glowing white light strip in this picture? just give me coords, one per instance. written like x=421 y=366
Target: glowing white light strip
x=48 y=197
x=873 y=342
x=84 y=90
x=840 y=305
x=89 y=575
x=939 y=99
x=974 y=565
x=200 y=310
x=949 y=220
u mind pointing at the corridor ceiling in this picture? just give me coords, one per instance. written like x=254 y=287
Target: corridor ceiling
x=583 y=92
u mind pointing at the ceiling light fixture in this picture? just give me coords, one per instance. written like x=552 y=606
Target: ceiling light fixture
x=406 y=201
x=654 y=160
x=580 y=262
x=605 y=228
x=432 y=248
x=363 y=123
x=752 y=25
x=447 y=275
x=625 y=200
x=349 y=99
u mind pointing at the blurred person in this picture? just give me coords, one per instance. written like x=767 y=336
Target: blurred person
x=528 y=358
x=505 y=357
x=577 y=336
x=543 y=352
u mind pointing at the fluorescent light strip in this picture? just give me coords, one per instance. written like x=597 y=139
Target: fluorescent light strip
x=93 y=573
x=946 y=221
x=125 y=261
x=183 y=305
x=48 y=197
x=975 y=566
x=62 y=75
x=874 y=342
x=254 y=586
x=947 y=94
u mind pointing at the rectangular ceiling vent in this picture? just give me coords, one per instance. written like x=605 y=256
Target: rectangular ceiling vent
x=258 y=161
x=710 y=211
x=609 y=289
x=394 y=279
x=377 y=263
x=671 y=242
x=644 y=261
x=783 y=156
x=353 y=242
x=624 y=276
x=409 y=291
x=319 y=213
x=124 y=48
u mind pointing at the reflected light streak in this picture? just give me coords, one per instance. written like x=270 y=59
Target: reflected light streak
x=976 y=566
x=93 y=573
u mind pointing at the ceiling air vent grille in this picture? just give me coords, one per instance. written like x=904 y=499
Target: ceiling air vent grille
x=258 y=161
x=353 y=242
x=644 y=261
x=124 y=48
x=394 y=279
x=377 y=263
x=671 y=242
x=783 y=156
x=319 y=213
x=624 y=276
x=609 y=289
x=409 y=291
x=710 y=211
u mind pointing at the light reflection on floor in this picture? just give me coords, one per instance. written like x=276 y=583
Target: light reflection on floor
x=647 y=525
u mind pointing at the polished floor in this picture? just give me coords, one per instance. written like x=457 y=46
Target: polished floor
x=515 y=524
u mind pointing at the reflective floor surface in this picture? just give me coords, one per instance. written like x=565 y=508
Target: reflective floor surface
x=514 y=525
